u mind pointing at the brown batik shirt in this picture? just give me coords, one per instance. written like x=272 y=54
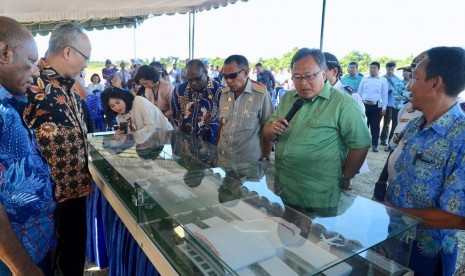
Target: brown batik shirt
x=54 y=112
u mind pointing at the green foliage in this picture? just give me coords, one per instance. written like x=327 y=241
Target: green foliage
x=216 y=61
x=363 y=59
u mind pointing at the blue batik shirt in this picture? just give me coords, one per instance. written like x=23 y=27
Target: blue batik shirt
x=196 y=113
x=267 y=78
x=401 y=95
x=26 y=188
x=353 y=82
x=393 y=83
x=431 y=174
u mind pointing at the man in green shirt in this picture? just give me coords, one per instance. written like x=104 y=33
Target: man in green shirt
x=324 y=144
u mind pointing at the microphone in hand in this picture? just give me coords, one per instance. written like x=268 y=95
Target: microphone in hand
x=295 y=107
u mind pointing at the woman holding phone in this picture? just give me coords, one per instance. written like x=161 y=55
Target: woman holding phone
x=134 y=114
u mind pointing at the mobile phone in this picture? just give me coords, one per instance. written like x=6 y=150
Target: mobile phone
x=115 y=127
x=123 y=126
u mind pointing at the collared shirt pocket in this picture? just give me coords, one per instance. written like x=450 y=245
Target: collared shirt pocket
x=428 y=163
x=318 y=132
x=224 y=116
x=249 y=120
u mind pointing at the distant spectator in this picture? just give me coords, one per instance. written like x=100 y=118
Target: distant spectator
x=161 y=70
x=174 y=71
x=108 y=71
x=135 y=88
x=280 y=78
x=116 y=82
x=392 y=109
x=177 y=82
x=80 y=84
x=137 y=64
x=289 y=82
x=184 y=71
x=271 y=69
x=124 y=75
x=130 y=85
x=214 y=71
x=266 y=77
x=95 y=85
x=374 y=93
x=352 y=79
x=253 y=74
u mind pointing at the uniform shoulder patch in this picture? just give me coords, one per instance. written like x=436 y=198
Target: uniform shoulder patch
x=349 y=89
x=258 y=86
x=225 y=89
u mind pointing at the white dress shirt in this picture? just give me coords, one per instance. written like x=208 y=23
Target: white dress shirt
x=374 y=89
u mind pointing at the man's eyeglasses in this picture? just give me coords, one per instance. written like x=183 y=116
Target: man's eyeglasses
x=232 y=75
x=86 y=58
x=308 y=77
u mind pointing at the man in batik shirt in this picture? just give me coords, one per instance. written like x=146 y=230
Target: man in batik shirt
x=26 y=187
x=54 y=112
x=195 y=103
x=430 y=171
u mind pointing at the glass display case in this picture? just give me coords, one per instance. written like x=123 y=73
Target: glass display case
x=213 y=213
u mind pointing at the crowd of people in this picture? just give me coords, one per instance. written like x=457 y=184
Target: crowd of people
x=44 y=175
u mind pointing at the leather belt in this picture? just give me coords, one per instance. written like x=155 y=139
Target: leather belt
x=370 y=103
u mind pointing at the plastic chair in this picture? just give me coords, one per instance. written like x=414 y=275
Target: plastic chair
x=94 y=103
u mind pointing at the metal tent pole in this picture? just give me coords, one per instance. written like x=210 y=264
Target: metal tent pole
x=191 y=34
x=323 y=13
x=135 y=44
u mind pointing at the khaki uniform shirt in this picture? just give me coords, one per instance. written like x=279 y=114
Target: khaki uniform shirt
x=242 y=120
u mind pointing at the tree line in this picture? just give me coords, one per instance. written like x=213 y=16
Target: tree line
x=363 y=59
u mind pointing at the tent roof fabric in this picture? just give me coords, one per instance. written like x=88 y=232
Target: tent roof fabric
x=42 y=16
x=43 y=28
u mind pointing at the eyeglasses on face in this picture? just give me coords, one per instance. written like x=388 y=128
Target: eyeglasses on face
x=308 y=77
x=86 y=58
x=232 y=75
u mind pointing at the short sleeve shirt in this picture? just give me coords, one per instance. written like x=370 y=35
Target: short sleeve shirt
x=54 y=112
x=26 y=187
x=316 y=143
x=242 y=120
x=431 y=174
x=393 y=83
x=353 y=82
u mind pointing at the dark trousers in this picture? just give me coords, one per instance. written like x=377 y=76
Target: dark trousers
x=71 y=228
x=46 y=265
x=373 y=114
x=391 y=115
x=441 y=265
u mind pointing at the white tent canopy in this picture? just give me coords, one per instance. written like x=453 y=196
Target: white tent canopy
x=59 y=10
x=40 y=17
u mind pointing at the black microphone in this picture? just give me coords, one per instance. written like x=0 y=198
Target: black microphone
x=297 y=105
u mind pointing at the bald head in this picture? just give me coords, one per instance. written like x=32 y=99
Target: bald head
x=18 y=56
x=11 y=31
